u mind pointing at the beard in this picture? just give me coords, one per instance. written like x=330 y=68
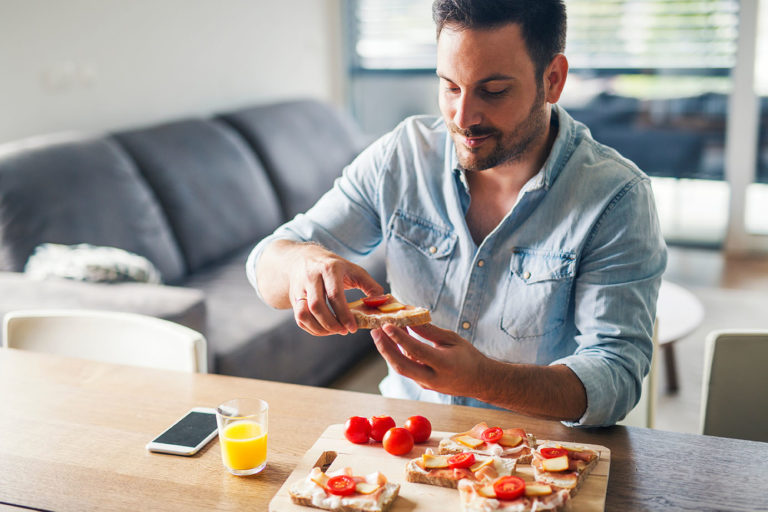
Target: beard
x=510 y=146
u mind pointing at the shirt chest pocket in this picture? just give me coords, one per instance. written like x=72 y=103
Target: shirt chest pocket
x=418 y=255
x=538 y=292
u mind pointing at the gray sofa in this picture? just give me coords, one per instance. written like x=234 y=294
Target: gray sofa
x=193 y=197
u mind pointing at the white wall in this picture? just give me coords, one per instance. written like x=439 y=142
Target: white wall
x=108 y=64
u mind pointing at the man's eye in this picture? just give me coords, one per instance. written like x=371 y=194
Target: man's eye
x=493 y=93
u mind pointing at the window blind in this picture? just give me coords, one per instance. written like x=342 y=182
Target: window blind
x=602 y=34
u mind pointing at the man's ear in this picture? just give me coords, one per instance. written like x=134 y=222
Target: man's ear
x=554 y=78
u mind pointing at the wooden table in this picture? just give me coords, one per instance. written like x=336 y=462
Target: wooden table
x=72 y=436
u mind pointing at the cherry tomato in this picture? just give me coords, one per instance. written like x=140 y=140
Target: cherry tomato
x=419 y=427
x=340 y=485
x=398 y=441
x=376 y=300
x=492 y=435
x=357 y=430
x=461 y=460
x=549 y=452
x=380 y=425
x=509 y=487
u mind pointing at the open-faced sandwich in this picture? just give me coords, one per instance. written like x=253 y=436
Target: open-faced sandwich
x=484 y=440
x=373 y=312
x=342 y=491
x=447 y=470
x=511 y=494
x=563 y=465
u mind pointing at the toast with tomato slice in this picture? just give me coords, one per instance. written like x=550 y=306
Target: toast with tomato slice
x=512 y=494
x=447 y=470
x=342 y=491
x=481 y=439
x=563 y=465
x=374 y=312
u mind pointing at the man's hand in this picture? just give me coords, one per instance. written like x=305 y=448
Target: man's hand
x=451 y=365
x=303 y=275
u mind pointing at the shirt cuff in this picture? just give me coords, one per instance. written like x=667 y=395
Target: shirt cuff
x=253 y=260
x=602 y=392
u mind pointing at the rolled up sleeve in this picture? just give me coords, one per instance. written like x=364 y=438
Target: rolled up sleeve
x=615 y=305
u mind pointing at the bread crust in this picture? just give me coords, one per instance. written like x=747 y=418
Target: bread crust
x=412 y=474
x=409 y=316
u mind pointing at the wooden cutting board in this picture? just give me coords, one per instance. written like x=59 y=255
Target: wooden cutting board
x=334 y=451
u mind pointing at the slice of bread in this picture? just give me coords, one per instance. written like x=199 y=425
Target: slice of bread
x=372 y=317
x=522 y=452
x=413 y=473
x=382 y=504
x=572 y=479
x=309 y=493
x=473 y=500
x=446 y=477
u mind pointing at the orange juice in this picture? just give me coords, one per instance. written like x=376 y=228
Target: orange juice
x=243 y=445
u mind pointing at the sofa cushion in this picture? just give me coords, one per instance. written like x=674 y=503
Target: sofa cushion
x=214 y=191
x=79 y=190
x=303 y=144
x=185 y=306
x=249 y=339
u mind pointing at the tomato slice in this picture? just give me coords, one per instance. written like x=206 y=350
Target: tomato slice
x=340 y=485
x=550 y=452
x=461 y=460
x=492 y=435
x=509 y=487
x=376 y=301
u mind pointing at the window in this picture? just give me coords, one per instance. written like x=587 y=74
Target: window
x=756 y=214
x=393 y=34
x=651 y=78
x=602 y=34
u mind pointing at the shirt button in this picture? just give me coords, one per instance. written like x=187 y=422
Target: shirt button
x=433 y=249
x=481 y=263
x=527 y=275
x=466 y=325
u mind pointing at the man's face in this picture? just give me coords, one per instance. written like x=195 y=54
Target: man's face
x=490 y=96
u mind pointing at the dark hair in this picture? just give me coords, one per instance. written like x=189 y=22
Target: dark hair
x=543 y=22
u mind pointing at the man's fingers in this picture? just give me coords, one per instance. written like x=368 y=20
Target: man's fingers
x=434 y=334
x=305 y=319
x=413 y=348
x=402 y=364
x=360 y=278
x=338 y=301
x=319 y=309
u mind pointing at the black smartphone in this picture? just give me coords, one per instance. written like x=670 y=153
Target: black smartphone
x=188 y=435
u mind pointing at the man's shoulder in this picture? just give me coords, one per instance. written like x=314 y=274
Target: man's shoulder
x=422 y=127
x=416 y=137
x=597 y=156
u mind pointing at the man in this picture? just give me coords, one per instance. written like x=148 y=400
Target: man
x=537 y=249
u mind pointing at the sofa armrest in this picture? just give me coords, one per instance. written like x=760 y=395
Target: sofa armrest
x=185 y=306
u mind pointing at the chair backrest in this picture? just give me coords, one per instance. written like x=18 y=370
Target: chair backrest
x=734 y=401
x=644 y=412
x=114 y=337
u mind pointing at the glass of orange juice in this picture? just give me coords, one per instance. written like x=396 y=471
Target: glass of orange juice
x=243 y=435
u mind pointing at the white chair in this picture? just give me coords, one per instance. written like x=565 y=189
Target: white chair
x=644 y=413
x=123 y=338
x=734 y=400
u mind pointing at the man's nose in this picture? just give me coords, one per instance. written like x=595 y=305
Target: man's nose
x=468 y=112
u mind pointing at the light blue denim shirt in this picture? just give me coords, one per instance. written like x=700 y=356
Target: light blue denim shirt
x=570 y=276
